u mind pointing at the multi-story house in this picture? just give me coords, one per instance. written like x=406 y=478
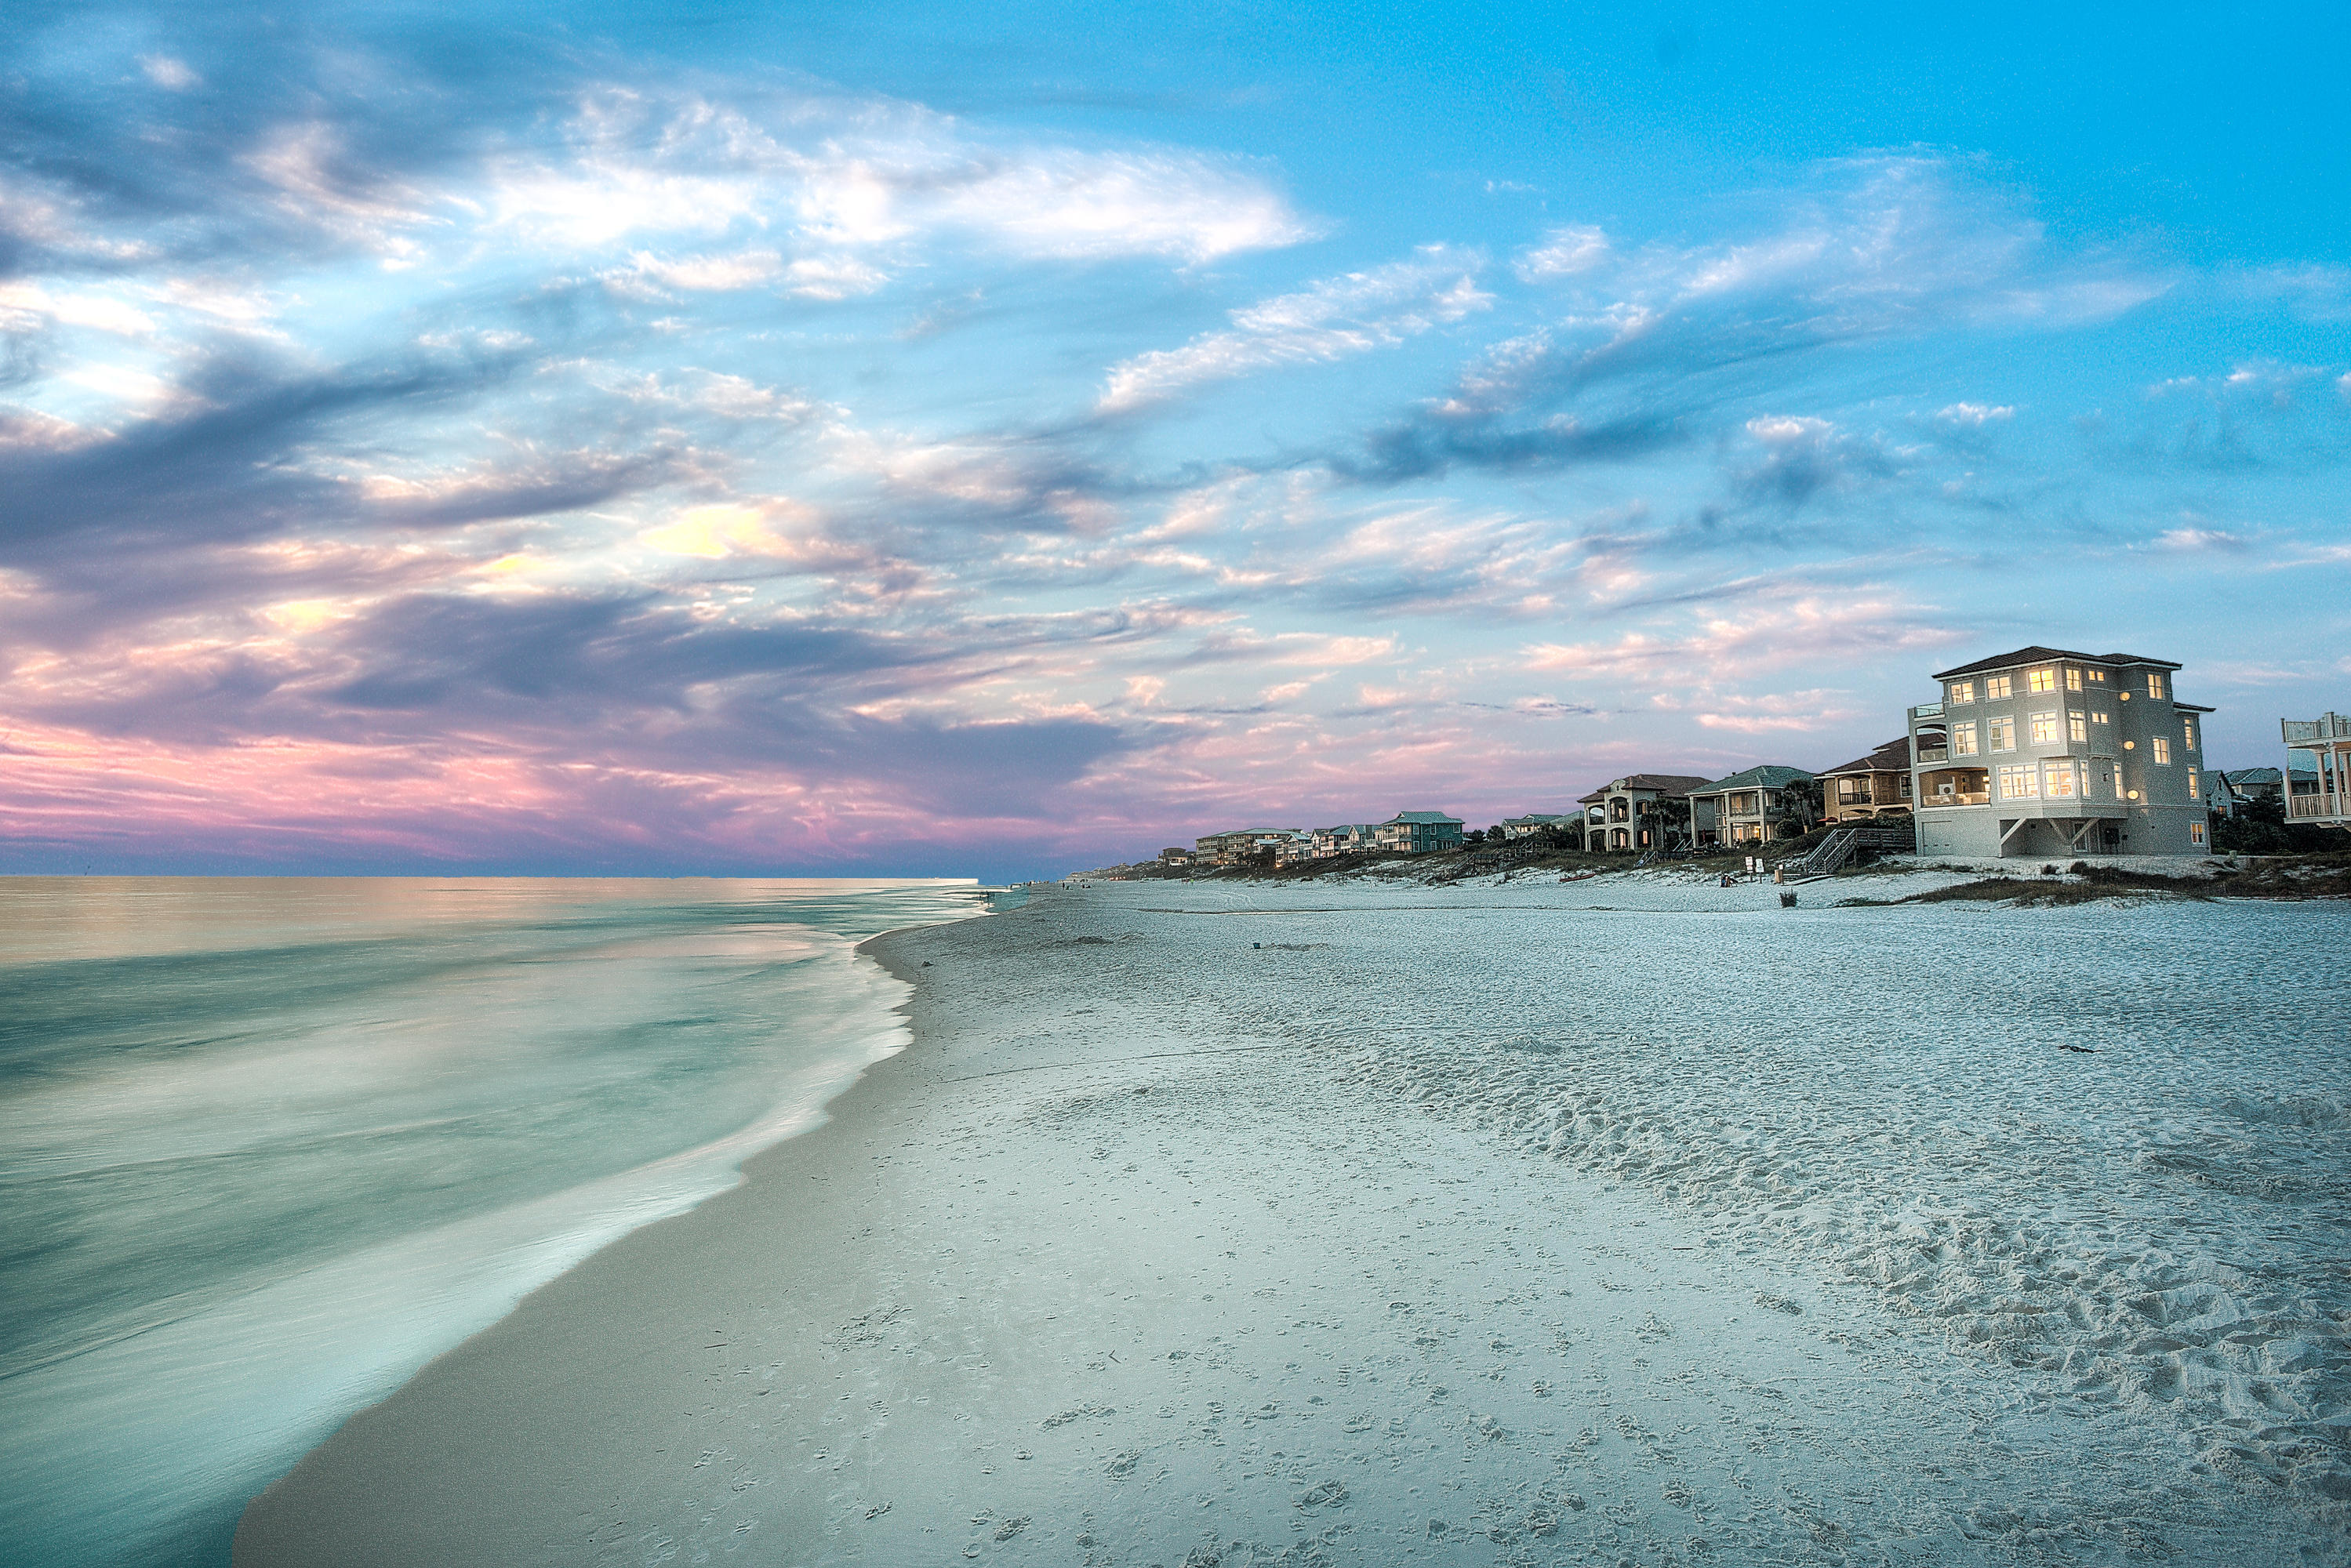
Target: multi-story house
x=2321 y=795
x=2048 y=752
x=1239 y=845
x=1418 y=832
x=1754 y=806
x=1295 y=850
x=1528 y=826
x=1177 y=855
x=1629 y=813
x=1346 y=838
x=1878 y=784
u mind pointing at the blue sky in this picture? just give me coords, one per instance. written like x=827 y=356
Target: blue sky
x=860 y=438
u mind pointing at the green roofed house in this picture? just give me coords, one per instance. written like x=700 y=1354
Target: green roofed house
x=1419 y=832
x=1757 y=805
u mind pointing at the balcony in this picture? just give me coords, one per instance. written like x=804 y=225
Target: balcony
x=1934 y=754
x=1957 y=797
x=2311 y=731
x=2319 y=807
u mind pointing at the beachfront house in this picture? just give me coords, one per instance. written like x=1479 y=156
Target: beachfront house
x=1239 y=845
x=1642 y=811
x=2323 y=793
x=1878 y=784
x=1756 y=805
x=1528 y=826
x=1418 y=832
x=1295 y=850
x=1346 y=838
x=1176 y=855
x=2044 y=751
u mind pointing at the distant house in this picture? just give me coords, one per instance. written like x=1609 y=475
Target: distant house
x=1529 y=826
x=1629 y=813
x=1295 y=850
x=1878 y=784
x=2046 y=751
x=1346 y=838
x=1756 y=805
x=2249 y=784
x=1239 y=844
x=1418 y=832
x=1178 y=855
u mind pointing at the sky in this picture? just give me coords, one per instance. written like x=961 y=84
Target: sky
x=1001 y=440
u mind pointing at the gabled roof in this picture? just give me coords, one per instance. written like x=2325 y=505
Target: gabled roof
x=2040 y=655
x=1770 y=776
x=1403 y=817
x=2263 y=775
x=1894 y=756
x=1533 y=817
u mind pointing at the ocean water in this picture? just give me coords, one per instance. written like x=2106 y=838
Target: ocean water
x=266 y=1146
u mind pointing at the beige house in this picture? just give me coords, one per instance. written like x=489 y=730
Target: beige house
x=2044 y=751
x=1624 y=813
x=1754 y=806
x=1234 y=847
x=1878 y=784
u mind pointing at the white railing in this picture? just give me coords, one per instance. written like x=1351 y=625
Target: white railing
x=2325 y=727
x=2318 y=805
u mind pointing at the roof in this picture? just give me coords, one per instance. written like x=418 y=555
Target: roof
x=1662 y=783
x=1769 y=776
x=2263 y=775
x=1534 y=817
x=2040 y=655
x=1894 y=756
x=1418 y=816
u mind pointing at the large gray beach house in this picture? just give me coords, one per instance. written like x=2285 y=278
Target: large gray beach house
x=2045 y=751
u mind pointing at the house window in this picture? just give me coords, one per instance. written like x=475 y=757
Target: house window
x=2072 y=680
x=1995 y=688
x=2018 y=783
x=2196 y=833
x=2004 y=734
x=2192 y=791
x=2096 y=677
x=2041 y=681
x=1963 y=739
x=1963 y=691
x=2098 y=717
x=2044 y=729
x=1850 y=790
x=2154 y=684
x=2162 y=743
x=2077 y=726
x=2188 y=723
x=2058 y=779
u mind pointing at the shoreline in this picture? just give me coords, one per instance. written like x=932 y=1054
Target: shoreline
x=1126 y=1258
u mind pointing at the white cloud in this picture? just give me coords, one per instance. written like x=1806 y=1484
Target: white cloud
x=1331 y=319
x=711 y=274
x=2196 y=541
x=1975 y=415
x=22 y=305
x=172 y=75
x=1564 y=253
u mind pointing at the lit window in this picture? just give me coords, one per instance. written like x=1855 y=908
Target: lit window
x=2098 y=717
x=1963 y=691
x=2192 y=792
x=1995 y=687
x=2162 y=743
x=2154 y=684
x=2096 y=677
x=2041 y=681
x=2057 y=779
x=2072 y=680
x=2004 y=734
x=2188 y=723
x=2077 y=726
x=2044 y=729
x=2018 y=783
x=1963 y=739
x=2194 y=833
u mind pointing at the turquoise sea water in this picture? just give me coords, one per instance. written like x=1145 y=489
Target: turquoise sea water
x=268 y=1145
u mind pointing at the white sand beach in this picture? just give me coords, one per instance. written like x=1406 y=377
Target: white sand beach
x=1635 y=1221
